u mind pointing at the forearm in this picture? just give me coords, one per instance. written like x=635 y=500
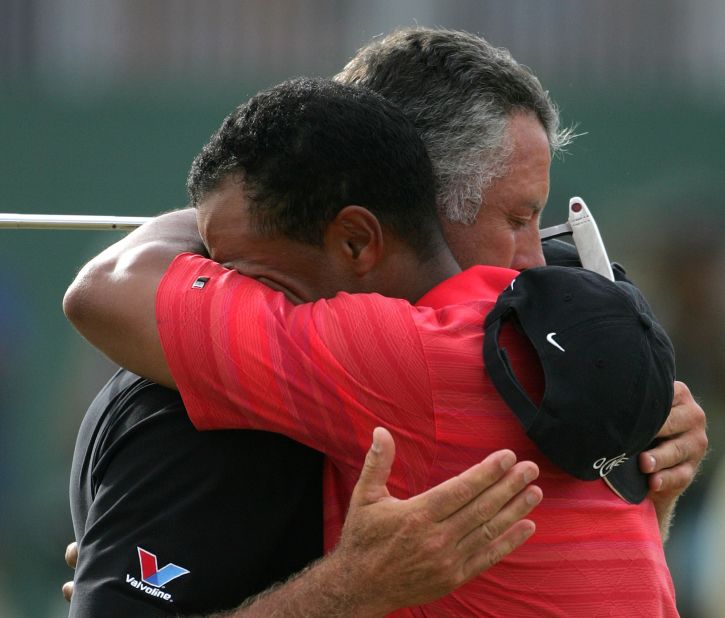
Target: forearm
x=112 y=300
x=402 y=553
x=665 y=516
x=328 y=588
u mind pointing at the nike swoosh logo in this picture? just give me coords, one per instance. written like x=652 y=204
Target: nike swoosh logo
x=550 y=339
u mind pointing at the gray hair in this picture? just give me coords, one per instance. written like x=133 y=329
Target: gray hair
x=460 y=93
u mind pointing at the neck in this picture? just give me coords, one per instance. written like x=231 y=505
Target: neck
x=410 y=278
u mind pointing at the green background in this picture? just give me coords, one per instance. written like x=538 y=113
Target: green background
x=650 y=165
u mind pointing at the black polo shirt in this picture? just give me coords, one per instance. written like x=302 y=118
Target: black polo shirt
x=174 y=521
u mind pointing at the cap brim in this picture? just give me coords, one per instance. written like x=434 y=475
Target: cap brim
x=628 y=482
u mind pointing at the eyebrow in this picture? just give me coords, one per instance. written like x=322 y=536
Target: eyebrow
x=534 y=207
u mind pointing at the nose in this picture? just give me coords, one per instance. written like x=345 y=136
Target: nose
x=529 y=253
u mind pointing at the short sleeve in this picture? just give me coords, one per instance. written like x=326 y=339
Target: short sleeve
x=170 y=528
x=324 y=373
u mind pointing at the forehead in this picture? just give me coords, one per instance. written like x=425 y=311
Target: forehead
x=528 y=137
x=301 y=270
x=526 y=180
x=223 y=217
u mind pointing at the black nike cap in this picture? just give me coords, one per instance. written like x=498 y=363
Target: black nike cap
x=609 y=371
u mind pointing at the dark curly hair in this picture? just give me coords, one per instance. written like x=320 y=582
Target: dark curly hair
x=306 y=148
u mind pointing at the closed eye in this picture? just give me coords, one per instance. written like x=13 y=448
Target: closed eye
x=519 y=223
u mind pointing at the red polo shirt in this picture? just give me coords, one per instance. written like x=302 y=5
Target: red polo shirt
x=326 y=373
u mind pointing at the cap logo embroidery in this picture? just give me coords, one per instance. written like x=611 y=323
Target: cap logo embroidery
x=550 y=339
x=606 y=466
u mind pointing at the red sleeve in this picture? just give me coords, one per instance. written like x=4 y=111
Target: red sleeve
x=324 y=373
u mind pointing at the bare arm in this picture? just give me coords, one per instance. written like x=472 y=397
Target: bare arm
x=112 y=301
x=674 y=462
x=397 y=553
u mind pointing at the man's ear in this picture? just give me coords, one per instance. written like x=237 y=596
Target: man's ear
x=356 y=236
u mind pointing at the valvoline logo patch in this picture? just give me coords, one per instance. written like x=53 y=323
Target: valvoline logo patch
x=154 y=579
x=151 y=574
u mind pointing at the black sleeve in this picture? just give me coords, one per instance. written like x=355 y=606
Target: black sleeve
x=182 y=522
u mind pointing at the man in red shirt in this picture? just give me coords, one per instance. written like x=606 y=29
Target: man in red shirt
x=326 y=373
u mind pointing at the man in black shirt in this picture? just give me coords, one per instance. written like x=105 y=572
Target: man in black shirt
x=145 y=483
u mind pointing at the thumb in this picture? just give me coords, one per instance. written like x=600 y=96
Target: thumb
x=371 y=486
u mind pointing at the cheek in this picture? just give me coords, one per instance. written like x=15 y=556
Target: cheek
x=497 y=246
x=489 y=241
x=493 y=251
x=527 y=251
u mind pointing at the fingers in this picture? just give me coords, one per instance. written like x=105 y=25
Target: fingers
x=68 y=591
x=672 y=453
x=496 y=537
x=673 y=463
x=376 y=469
x=495 y=510
x=685 y=415
x=430 y=544
x=449 y=497
x=71 y=554
x=683 y=438
x=681 y=395
x=494 y=552
x=71 y=559
x=673 y=480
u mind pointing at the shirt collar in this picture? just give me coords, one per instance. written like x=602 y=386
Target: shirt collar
x=477 y=282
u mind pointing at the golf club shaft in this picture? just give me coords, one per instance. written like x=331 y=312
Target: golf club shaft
x=70 y=222
x=9 y=220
